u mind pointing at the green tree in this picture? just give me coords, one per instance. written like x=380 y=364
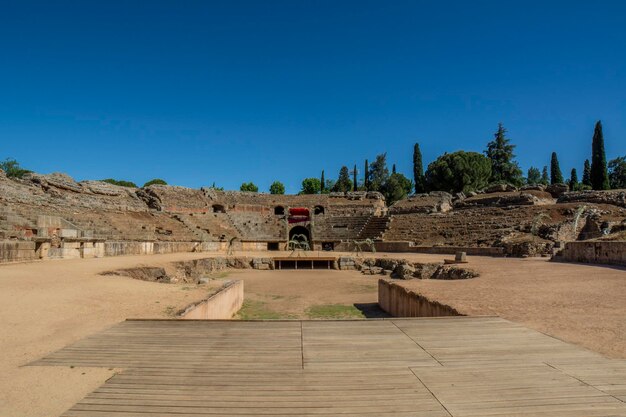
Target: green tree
x=500 y=152
x=329 y=186
x=13 y=169
x=156 y=181
x=277 y=187
x=599 y=175
x=378 y=173
x=573 y=180
x=354 y=173
x=617 y=173
x=310 y=186
x=396 y=188
x=249 y=186
x=343 y=183
x=533 y=176
x=418 y=170
x=458 y=171
x=587 y=174
x=121 y=183
x=393 y=169
x=322 y=183
x=366 y=173
x=556 y=176
x=545 y=178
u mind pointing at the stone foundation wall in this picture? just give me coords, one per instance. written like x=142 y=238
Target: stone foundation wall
x=400 y=302
x=222 y=305
x=611 y=253
x=15 y=251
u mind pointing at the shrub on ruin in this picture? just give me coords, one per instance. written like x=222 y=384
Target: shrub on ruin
x=458 y=171
x=617 y=173
x=155 y=181
x=249 y=186
x=13 y=169
x=311 y=186
x=121 y=183
x=277 y=187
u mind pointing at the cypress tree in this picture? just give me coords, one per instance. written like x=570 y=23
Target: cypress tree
x=556 y=176
x=503 y=166
x=366 y=174
x=599 y=175
x=587 y=173
x=393 y=169
x=545 y=179
x=322 y=183
x=343 y=183
x=418 y=170
x=355 y=184
x=573 y=179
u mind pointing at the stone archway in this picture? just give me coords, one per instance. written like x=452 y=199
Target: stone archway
x=299 y=233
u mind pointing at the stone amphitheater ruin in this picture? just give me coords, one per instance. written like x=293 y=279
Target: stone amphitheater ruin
x=502 y=331
x=53 y=216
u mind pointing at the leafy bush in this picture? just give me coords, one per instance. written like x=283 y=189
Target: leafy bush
x=311 y=186
x=121 y=183
x=249 y=186
x=458 y=171
x=617 y=172
x=277 y=187
x=396 y=188
x=156 y=181
x=12 y=168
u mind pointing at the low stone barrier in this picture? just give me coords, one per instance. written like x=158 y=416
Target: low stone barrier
x=611 y=253
x=222 y=305
x=401 y=302
x=440 y=250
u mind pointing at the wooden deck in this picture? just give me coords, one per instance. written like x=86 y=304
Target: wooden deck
x=453 y=366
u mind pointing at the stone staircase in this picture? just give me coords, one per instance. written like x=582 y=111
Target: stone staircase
x=374 y=228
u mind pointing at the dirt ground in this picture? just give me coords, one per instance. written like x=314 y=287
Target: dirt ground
x=48 y=305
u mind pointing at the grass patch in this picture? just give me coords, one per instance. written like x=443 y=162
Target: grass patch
x=334 y=311
x=170 y=311
x=257 y=310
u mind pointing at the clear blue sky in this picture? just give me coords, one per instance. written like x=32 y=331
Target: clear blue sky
x=233 y=91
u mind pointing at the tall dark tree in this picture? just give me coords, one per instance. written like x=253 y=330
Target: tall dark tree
x=322 y=183
x=500 y=152
x=379 y=173
x=355 y=179
x=587 y=173
x=599 y=174
x=393 y=169
x=545 y=178
x=534 y=176
x=418 y=170
x=343 y=183
x=573 y=180
x=366 y=180
x=556 y=176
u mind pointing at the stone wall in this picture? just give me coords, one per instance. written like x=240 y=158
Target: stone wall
x=400 y=302
x=444 y=250
x=15 y=251
x=597 y=252
x=222 y=305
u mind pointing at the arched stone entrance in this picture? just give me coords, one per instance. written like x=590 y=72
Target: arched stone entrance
x=300 y=233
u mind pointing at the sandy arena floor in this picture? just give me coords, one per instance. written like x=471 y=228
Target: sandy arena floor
x=48 y=305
